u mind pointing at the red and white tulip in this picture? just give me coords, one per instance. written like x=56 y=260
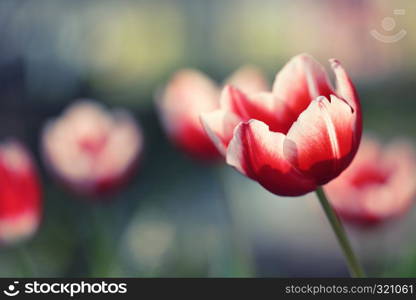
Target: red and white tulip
x=20 y=193
x=295 y=138
x=378 y=185
x=93 y=151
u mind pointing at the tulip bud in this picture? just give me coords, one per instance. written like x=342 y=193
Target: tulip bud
x=20 y=193
x=91 y=150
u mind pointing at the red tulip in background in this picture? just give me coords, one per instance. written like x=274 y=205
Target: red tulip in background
x=190 y=93
x=91 y=150
x=291 y=140
x=379 y=184
x=20 y=193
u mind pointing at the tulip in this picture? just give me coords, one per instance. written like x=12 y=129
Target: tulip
x=20 y=193
x=92 y=151
x=291 y=140
x=294 y=139
x=379 y=184
x=190 y=93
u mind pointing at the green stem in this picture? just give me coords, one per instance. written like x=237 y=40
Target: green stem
x=25 y=262
x=353 y=264
x=101 y=256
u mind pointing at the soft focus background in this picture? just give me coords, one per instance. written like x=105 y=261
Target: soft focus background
x=179 y=217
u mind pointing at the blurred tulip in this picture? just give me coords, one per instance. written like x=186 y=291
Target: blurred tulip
x=20 y=193
x=379 y=184
x=91 y=150
x=190 y=93
x=297 y=137
x=249 y=79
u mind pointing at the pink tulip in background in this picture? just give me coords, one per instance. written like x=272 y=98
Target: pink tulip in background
x=91 y=150
x=20 y=193
x=190 y=93
x=291 y=140
x=379 y=185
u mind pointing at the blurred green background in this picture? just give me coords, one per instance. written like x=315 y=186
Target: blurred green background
x=180 y=217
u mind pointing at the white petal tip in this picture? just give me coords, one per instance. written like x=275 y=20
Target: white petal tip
x=321 y=99
x=334 y=63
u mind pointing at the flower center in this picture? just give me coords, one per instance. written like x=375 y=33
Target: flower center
x=370 y=175
x=92 y=145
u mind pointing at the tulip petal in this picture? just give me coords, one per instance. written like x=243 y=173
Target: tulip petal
x=322 y=139
x=264 y=107
x=219 y=126
x=300 y=81
x=20 y=193
x=249 y=79
x=258 y=153
x=402 y=181
x=188 y=94
x=346 y=90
